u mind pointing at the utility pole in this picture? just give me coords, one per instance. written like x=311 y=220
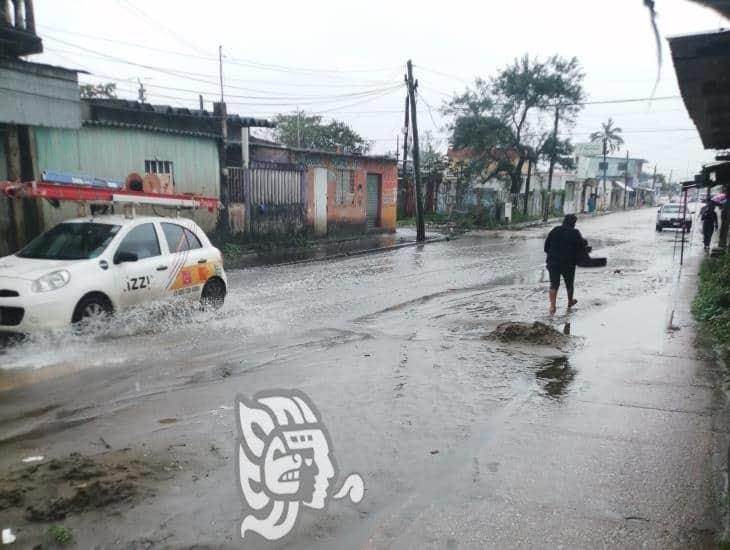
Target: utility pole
x=405 y=143
x=420 y=222
x=605 y=169
x=553 y=153
x=653 y=186
x=299 y=130
x=223 y=152
x=626 y=179
x=141 y=93
x=527 y=182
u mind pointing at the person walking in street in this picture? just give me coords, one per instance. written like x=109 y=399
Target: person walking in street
x=709 y=222
x=564 y=247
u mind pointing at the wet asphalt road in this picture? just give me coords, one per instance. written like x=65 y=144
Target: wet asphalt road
x=462 y=441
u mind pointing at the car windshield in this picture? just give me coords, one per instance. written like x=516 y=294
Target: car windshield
x=71 y=241
x=671 y=209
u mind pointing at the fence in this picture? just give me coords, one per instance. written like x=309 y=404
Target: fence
x=267 y=199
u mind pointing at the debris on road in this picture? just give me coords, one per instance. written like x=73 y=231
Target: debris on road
x=29 y=459
x=7 y=536
x=536 y=333
x=76 y=484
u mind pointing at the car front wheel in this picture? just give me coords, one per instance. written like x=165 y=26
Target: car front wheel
x=659 y=228
x=214 y=294
x=92 y=308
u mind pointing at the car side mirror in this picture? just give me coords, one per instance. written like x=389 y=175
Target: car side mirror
x=123 y=257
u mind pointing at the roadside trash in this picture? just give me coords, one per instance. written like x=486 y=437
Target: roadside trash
x=29 y=459
x=566 y=329
x=8 y=537
x=435 y=452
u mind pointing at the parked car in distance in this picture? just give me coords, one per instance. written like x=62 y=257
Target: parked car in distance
x=673 y=215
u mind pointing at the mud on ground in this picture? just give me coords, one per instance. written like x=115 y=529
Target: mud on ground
x=35 y=495
x=536 y=333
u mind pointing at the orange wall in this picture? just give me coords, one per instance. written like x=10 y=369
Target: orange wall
x=354 y=212
x=351 y=216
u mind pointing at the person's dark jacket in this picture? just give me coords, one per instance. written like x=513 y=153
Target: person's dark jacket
x=564 y=246
x=709 y=217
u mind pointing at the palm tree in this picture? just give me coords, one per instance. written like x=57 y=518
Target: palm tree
x=610 y=135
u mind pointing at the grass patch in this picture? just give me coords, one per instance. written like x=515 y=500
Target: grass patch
x=711 y=305
x=59 y=535
x=476 y=218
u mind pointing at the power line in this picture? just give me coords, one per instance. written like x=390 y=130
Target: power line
x=158 y=24
x=195 y=77
x=359 y=84
x=430 y=113
x=230 y=60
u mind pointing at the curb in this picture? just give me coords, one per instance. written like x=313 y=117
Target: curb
x=353 y=253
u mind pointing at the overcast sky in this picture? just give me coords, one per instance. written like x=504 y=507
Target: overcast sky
x=346 y=60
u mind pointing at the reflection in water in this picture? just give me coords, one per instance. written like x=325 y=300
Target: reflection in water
x=557 y=375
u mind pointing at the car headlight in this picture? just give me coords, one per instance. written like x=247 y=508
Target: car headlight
x=52 y=281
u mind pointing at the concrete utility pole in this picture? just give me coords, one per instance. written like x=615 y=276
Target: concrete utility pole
x=405 y=140
x=222 y=155
x=626 y=179
x=299 y=130
x=141 y=93
x=553 y=153
x=605 y=169
x=420 y=222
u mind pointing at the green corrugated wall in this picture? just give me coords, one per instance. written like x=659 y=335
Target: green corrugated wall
x=115 y=152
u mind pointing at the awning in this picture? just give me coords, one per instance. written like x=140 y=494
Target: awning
x=623 y=186
x=702 y=64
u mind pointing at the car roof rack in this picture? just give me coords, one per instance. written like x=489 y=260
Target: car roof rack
x=84 y=194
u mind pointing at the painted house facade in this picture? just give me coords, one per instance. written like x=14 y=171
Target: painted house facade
x=32 y=96
x=117 y=137
x=342 y=194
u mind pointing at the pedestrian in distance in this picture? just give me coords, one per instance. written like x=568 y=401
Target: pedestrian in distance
x=565 y=247
x=708 y=216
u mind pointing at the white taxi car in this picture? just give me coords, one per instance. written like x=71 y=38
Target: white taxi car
x=91 y=267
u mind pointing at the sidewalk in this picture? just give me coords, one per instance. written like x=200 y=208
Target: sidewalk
x=654 y=396
x=331 y=248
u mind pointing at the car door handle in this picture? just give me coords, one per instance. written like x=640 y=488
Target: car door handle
x=161 y=267
x=202 y=261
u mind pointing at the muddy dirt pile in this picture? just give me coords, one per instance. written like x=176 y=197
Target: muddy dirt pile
x=53 y=490
x=536 y=333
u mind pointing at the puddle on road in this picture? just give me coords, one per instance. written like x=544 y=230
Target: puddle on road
x=556 y=375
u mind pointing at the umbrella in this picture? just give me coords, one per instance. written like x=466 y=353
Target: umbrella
x=720 y=198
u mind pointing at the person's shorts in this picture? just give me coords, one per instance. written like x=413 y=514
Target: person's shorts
x=567 y=272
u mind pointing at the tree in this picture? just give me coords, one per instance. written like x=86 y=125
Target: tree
x=105 y=91
x=503 y=120
x=433 y=164
x=310 y=132
x=610 y=136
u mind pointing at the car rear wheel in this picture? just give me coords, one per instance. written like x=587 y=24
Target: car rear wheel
x=214 y=294
x=92 y=308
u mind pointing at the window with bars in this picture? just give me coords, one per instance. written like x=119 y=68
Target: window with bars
x=164 y=170
x=158 y=167
x=345 y=186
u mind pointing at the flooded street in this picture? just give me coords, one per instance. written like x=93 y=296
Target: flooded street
x=463 y=440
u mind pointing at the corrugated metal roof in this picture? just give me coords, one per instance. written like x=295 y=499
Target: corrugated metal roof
x=384 y=158
x=148 y=128
x=134 y=108
x=702 y=62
